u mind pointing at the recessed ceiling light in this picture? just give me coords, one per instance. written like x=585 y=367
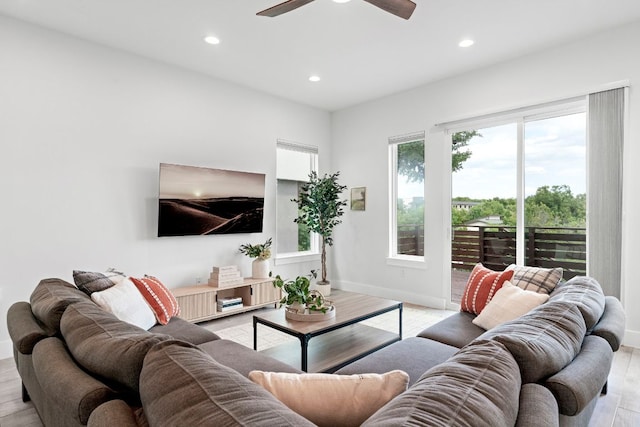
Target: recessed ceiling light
x=212 y=40
x=341 y=1
x=314 y=78
x=466 y=43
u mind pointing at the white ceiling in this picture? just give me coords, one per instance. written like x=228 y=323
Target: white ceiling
x=359 y=51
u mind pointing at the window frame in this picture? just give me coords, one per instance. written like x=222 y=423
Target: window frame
x=313 y=254
x=393 y=257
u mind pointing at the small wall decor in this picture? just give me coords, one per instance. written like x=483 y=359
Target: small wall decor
x=358 y=198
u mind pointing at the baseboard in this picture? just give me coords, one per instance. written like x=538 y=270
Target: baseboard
x=394 y=294
x=6 y=349
x=631 y=339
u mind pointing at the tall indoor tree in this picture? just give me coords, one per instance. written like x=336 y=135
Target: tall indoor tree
x=320 y=209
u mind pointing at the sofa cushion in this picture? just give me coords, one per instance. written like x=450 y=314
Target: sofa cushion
x=536 y=279
x=93 y=281
x=50 y=299
x=105 y=345
x=67 y=393
x=538 y=407
x=195 y=390
x=542 y=341
x=24 y=329
x=479 y=386
x=586 y=294
x=413 y=355
x=160 y=299
x=482 y=285
x=456 y=330
x=125 y=302
x=510 y=302
x=243 y=359
x=612 y=323
x=180 y=329
x=366 y=393
x=572 y=387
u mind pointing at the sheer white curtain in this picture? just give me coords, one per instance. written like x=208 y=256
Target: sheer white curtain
x=605 y=146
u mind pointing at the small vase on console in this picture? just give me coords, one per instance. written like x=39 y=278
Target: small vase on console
x=260 y=268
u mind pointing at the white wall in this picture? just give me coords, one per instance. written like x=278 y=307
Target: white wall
x=82 y=131
x=359 y=138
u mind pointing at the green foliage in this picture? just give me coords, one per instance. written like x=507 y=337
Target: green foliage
x=411 y=161
x=556 y=206
x=411 y=156
x=320 y=209
x=304 y=238
x=553 y=206
x=459 y=141
x=297 y=291
x=411 y=214
x=262 y=251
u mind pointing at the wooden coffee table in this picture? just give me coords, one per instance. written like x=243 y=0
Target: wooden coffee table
x=336 y=342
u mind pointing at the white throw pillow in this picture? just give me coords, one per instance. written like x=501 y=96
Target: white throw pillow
x=330 y=399
x=510 y=302
x=126 y=303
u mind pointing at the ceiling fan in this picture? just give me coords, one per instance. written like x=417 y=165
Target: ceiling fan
x=401 y=8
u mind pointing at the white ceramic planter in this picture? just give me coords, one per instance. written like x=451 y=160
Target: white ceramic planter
x=260 y=268
x=324 y=289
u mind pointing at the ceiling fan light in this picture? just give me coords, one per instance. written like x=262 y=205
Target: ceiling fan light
x=341 y=1
x=314 y=78
x=212 y=40
x=466 y=43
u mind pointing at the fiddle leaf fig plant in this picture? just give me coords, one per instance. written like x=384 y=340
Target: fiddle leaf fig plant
x=320 y=209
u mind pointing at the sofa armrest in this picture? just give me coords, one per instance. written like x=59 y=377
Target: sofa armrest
x=538 y=407
x=581 y=380
x=116 y=413
x=24 y=329
x=612 y=323
x=68 y=389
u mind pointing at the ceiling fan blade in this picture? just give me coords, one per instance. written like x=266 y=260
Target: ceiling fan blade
x=401 y=8
x=285 y=7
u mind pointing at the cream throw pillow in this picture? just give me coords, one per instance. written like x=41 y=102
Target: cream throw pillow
x=126 y=303
x=333 y=400
x=510 y=302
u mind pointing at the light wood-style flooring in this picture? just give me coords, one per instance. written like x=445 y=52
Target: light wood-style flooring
x=619 y=408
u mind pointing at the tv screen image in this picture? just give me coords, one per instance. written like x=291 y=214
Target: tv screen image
x=199 y=201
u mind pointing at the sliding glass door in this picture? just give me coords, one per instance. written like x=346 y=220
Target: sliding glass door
x=518 y=195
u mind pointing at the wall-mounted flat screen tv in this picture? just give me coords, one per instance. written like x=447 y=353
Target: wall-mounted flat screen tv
x=198 y=201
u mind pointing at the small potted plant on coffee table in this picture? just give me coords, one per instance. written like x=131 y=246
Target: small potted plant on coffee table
x=301 y=303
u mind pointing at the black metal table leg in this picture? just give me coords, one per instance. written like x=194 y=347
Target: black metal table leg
x=255 y=333
x=304 y=344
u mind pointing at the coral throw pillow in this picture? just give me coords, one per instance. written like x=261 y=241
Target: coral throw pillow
x=482 y=285
x=159 y=298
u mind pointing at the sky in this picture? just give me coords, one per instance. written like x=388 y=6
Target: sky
x=555 y=154
x=189 y=182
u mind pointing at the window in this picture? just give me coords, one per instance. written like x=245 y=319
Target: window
x=406 y=154
x=294 y=164
x=519 y=194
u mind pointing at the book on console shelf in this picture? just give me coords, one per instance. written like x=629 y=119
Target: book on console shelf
x=230 y=307
x=223 y=302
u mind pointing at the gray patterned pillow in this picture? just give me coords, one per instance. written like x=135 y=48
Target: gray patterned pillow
x=90 y=282
x=536 y=279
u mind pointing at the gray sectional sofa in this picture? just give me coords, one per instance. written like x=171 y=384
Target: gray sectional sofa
x=82 y=366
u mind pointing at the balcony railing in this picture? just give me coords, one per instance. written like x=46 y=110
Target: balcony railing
x=495 y=247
